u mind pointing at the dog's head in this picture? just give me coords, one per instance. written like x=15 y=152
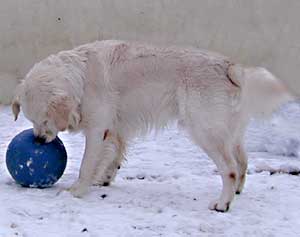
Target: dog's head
x=46 y=101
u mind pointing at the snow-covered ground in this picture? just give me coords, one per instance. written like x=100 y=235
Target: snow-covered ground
x=163 y=189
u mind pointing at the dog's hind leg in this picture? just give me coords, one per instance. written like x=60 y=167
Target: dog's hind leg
x=242 y=163
x=218 y=148
x=226 y=164
x=208 y=119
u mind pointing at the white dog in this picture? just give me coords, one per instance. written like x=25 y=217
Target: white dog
x=115 y=90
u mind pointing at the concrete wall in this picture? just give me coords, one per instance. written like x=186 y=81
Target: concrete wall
x=256 y=32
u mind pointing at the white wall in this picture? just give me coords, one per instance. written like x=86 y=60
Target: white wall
x=256 y=32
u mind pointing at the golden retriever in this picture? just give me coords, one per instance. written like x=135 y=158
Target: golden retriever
x=115 y=90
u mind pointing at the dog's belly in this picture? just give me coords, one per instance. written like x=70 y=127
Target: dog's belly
x=151 y=106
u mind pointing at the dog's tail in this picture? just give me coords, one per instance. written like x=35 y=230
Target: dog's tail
x=261 y=91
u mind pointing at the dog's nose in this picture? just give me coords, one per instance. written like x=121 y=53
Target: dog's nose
x=40 y=139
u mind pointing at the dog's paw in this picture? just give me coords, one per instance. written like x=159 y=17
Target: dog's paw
x=78 y=189
x=62 y=190
x=219 y=206
x=102 y=181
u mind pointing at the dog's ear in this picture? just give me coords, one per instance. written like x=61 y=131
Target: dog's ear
x=16 y=105
x=74 y=118
x=59 y=110
x=64 y=112
x=16 y=108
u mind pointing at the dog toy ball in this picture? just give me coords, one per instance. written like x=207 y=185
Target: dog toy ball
x=34 y=163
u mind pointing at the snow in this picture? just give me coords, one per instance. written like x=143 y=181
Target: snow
x=163 y=189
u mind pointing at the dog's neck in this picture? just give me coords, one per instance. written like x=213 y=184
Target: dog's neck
x=75 y=63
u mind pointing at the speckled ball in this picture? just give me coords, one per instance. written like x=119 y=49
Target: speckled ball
x=33 y=163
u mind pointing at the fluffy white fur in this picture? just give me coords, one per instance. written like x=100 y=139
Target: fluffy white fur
x=116 y=90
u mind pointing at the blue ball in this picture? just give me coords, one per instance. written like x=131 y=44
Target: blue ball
x=33 y=163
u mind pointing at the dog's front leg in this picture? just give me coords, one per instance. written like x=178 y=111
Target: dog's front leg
x=110 y=162
x=93 y=150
